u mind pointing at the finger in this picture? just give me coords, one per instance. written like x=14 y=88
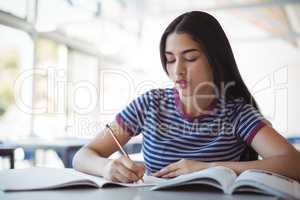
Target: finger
x=175 y=173
x=168 y=169
x=118 y=177
x=137 y=169
x=128 y=163
x=127 y=173
x=140 y=169
x=171 y=174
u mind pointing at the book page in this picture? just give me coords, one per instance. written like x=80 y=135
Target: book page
x=269 y=182
x=223 y=175
x=220 y=177
x=40 y=178
x=148 y=181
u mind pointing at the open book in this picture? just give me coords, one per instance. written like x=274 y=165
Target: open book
x=258 y=181
x=42 y=178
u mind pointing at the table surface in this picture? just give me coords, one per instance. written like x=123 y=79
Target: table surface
x=123 y=193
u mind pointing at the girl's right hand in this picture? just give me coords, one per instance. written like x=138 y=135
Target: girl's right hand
x=123 y=170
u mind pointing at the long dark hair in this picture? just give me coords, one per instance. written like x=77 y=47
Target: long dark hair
x=206 y=30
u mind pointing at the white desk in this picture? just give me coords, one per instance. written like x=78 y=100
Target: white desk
x=64 y=147
x=122 y=193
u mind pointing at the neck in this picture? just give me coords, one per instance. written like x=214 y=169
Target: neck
x=196 y=105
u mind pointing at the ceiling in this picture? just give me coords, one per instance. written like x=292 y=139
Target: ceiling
x=272 y=18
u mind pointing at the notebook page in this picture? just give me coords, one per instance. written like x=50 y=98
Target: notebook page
x=40 y=178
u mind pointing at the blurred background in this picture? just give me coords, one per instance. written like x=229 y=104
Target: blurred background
x=68 y=66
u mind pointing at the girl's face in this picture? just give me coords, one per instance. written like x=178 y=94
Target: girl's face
x=187 y=65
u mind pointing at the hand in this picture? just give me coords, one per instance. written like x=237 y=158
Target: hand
x=181 y=167
x=123 y=170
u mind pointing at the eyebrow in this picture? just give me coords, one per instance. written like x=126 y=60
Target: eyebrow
x=183 y=52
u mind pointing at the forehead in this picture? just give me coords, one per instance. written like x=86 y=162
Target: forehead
x=177 y=42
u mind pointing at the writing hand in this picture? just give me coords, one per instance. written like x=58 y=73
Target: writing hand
x=123 y=170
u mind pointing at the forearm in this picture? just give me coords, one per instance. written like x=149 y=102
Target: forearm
x=285 y=165
x=88 y=161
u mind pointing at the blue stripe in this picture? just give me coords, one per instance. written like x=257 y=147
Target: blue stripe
x=155 y=144
x=174 y=131
x=140 y=115
x=214 y=148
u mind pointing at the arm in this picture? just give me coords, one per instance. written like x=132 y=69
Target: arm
x=93 y=158
x=278 y=155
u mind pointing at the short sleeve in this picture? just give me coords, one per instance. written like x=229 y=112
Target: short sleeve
x=132 y=118
x=248 y=122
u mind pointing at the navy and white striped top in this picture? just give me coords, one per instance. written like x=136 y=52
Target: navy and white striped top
x=170 y=135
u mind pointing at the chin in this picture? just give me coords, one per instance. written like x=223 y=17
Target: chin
x=185 y=92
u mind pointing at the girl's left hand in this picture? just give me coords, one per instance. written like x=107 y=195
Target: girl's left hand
x=181 y=167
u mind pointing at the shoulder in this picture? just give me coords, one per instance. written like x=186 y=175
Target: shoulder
x=236 y=107
x=236 y=104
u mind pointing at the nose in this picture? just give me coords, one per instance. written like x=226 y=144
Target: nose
x=180 y=68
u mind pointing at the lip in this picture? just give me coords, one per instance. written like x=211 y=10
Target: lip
x=182 y=83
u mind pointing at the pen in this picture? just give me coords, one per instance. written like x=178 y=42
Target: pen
x=118 y=144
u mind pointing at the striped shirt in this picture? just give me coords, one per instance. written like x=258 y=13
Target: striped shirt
x=170 y=135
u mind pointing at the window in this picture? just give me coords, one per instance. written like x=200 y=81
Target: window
x=49 y=97
x=16 y=58
x=83 y=110
x=15 y=7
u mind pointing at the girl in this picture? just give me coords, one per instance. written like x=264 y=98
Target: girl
x=208 y=119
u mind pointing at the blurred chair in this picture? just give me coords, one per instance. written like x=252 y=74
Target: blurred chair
x=67 y=154
x=132 y=148
x=8 y=151
x=294 y=140
x=249 y=154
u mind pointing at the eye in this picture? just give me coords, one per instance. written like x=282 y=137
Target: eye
x=191 y=59
x=170 y=61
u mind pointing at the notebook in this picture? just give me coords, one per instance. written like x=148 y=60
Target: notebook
x=43 y=178
x=225 y=179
